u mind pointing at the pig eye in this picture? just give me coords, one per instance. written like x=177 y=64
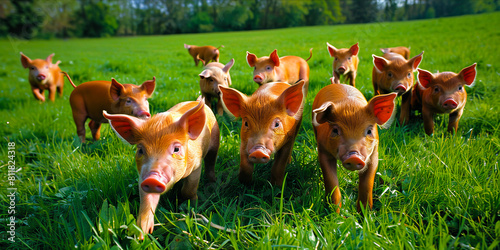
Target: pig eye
x=349 y=58
x=129 y=101
x=409 y=75
x=389 y=74
x=32 y=68
x=336 y=59
x=276 y=123
x=436 y=89
x=177 y=149
x=140 y=150
x=369 y=131
x=460 y=88
x=268 y=68
x=335 y=131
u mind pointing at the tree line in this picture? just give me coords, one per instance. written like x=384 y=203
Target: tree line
x=93 y=18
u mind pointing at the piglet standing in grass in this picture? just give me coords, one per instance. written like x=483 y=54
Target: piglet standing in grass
x=271 y=119
x=170 y=147
x=345 y=125
x=205 y=53
x=214 y=75
x=44 y=75
x=89 y=99
x=289 y=69
x=393 y=73
x=442 y=93
x=345 y=63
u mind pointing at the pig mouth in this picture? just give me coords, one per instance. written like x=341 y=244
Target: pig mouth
x=259 y=154
x=143 y=114
x=353 y=161
x=400 y=89
x=449 y=105
x=342 y=70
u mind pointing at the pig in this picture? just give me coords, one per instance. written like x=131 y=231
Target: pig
x=271 y=119
x=89 y=99
x=170 y=147
x=205 y=53
x=44 y=75
x=345 y=126
x=345 y=63
x=404 y=51
x=393 y=73
x=214 y=75
x=289 y=69
x=442 y=93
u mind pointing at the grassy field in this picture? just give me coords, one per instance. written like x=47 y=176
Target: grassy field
x=440 y=191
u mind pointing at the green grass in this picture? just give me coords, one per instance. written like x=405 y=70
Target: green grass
x=440 y=191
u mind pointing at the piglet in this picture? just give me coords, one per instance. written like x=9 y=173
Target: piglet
x=89 y=99
x=345 y=125
x=214 y=75
x=442 y=93
x=170 y=147
x=393 y=73
x=44 y=75
x=205 y=53
x=404 y=51
x=289 y=69
x=270 y=122
x=345 y=63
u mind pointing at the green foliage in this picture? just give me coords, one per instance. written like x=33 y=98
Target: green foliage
x=440 y=191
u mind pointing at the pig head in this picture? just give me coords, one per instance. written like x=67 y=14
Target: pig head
x=170 y=147
x=270 y=121
x=393 y=73
x=89 y=99
x=345 y=126
x=289 y=69
x=214 y=75
x=345 y=63
x=442 y=93
x=44 y=75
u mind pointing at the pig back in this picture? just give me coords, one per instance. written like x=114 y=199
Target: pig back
x=339 y=93
x=95 y=97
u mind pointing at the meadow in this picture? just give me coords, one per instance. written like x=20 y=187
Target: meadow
x=440 y=191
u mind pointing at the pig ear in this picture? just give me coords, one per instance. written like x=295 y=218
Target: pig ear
x=204 y=74
x=415 y=61
x=382 y=108
x=187 y=46
x=194 y=120
x=228 y=66
x=469 y=74
x=251 y=59
x=274 y=57
x=293 y=98
x=385 y=50
x=116 y=89
x=25 y=61
x=424 y=78
x=149 y=86
x=232 y=100
x=322 y=114
x=49 y=58
x=379 y=62
x=124 y=126
x=332 y=50
x=354 y=49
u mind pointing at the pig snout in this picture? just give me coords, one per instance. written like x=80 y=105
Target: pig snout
x=143 y=114
x=342 y=69
x=450 y=104
x=259 y=154
x=400 y=89
x=258 y=79
x=41 y=77
x=353 y=161
x=155 y=183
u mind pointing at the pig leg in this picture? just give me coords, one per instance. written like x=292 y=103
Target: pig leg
x=95 y=128
x=38 y=93
x=336 y=77
x=366 y=179
x=211 y=156
x=405 y=108
x=246 y=168
x=352 y=78
x=52 y=92
x=80 y=119
x=453 y=121
x=328 y=165
x=190 y=186
x=146 y=218
x=220 y=109
x=428 y=117
x=280 y=160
